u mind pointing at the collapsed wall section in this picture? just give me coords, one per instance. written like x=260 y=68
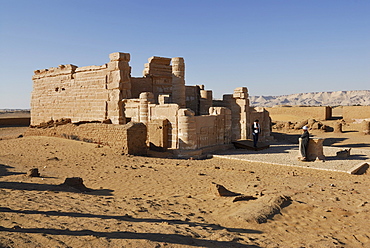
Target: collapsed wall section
x=131 y=138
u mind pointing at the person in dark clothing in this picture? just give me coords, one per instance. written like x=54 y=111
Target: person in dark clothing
x=256 y=130
x=304 y=143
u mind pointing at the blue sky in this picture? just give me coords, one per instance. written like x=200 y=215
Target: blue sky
x=273 y=47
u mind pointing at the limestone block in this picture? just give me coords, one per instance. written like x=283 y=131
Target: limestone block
x=315 y=149
x=159 y=60
x=91 y=68
x=178 y=66
x=119 y=57
x=114 y=95
x=119 y=65
x=241 y=92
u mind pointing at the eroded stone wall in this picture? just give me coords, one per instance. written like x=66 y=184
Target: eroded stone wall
x=82 y=94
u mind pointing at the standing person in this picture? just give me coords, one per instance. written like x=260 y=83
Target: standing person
x=304 y=143
x=256 y=130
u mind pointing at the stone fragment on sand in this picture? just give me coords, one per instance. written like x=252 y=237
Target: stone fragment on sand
x=222 y=191
x=34 y=172
x=53 y=159
x=76 y=183
x=260 y=210
x=344 y=153
x=244 y=198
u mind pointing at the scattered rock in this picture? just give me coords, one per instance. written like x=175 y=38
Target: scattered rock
x=244 y=198
x=53 y=158
x=34 y=172
x=76 y=183
x=362 y=204
x=222 y=191
x=344 y=153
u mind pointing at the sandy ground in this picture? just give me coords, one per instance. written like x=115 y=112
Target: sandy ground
x=153 y=202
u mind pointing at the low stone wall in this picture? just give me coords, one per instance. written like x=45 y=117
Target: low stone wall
x=320 y=113
x=356 y=113
x=131 y=137
x=15 y=121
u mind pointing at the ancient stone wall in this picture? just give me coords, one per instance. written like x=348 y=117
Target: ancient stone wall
x=193 y=98
x=178 y=117
x=319 y=113
x=356 y=113
x=131 y=138
x=81 y=94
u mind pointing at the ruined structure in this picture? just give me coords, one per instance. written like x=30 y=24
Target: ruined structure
x=179 y=118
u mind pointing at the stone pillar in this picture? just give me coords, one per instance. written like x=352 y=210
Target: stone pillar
x=337 y=127
x=178 y=81
x=240 y=111
x=145 y=99
x=187 y=130
x=118 y=86
x=315 y=150
x=366 y=127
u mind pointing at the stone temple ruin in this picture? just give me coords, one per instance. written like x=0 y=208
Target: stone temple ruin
x=184 y=120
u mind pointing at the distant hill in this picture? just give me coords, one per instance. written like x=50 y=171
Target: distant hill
x=336 y=98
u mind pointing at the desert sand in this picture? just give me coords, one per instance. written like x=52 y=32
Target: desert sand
x=155 y=202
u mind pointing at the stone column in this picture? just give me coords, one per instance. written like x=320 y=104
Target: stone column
x=241 y=99
x=145 y=99
x=178 y=81
x=187 y=130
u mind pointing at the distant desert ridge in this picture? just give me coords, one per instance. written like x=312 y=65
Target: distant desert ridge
x=335 y=98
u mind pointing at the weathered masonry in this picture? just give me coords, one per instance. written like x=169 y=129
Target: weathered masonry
x=179 y=118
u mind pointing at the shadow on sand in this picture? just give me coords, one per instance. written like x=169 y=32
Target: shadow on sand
x=4 y=171
x=51 y=187
x=159 y=237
